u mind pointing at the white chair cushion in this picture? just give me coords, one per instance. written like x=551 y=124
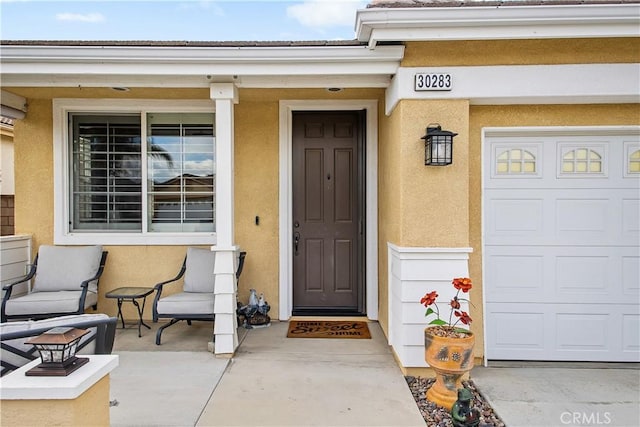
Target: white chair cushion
x=63 y=268
x=48 y=302
x=46 y=323
x=198 y=276
x=187 y=303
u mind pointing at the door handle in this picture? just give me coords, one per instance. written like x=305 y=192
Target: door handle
x=296 y=240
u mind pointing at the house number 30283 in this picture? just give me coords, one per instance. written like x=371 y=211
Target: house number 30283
x=433 y=81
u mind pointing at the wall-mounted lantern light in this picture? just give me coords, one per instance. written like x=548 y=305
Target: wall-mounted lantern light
x=438 y=146
x=57 y=348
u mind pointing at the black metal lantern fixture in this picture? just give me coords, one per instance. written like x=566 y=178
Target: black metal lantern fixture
x=438 y=146
x=57 y=348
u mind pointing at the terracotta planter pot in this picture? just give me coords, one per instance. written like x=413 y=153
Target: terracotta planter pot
x=450 y=358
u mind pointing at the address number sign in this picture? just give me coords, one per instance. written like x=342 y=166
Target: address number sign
x=433 y=81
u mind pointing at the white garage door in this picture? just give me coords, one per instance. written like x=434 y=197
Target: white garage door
x=561 y=218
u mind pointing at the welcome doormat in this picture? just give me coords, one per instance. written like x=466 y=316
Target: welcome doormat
x=328 y=329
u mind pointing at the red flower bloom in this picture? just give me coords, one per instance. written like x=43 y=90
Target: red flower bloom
x=429 y=298
x=462 y=283
x=455 y=303
x=464 y=317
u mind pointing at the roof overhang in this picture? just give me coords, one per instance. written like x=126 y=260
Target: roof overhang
x=496 y=22
x=40 y=65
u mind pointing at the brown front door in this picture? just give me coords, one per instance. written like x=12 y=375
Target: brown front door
x=328 y=228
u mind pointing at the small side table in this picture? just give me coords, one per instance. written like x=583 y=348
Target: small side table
x=131 y=293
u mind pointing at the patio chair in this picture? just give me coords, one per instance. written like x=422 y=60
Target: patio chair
x=65 y=281
x=196 y=301
x=14 y=352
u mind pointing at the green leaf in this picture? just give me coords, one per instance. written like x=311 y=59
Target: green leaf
x=438 y=322
x=429 y=311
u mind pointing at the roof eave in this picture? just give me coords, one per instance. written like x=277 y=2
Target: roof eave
x=374 y=25
x=46 y=65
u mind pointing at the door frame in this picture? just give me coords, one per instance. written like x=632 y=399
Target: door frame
x=287 y=107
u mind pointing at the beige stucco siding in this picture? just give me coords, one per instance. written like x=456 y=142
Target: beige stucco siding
x=256 y=187
x=389 y=201
x=33 y=156
x=434 y=208
x=256 y=194
x=421 y=206
x=522 y=52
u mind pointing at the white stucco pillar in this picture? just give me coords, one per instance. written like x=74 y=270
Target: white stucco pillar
x=225 y=330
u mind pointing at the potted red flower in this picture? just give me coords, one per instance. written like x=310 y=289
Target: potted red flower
x=448 y=347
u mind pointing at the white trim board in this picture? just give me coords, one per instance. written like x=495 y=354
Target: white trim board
x=287 y=107
x=156 y=66
x=525 y=84
x=497 y=22
x=412 y=272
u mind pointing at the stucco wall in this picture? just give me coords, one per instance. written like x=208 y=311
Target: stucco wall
x=522 y=52
x=33 y=156
x=420 y=206
x=389 y=201
x=256 y=183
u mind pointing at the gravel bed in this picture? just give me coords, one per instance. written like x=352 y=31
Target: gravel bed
x=436 y=416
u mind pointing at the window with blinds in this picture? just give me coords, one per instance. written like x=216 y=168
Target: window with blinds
x=106 y=176
x=108 y=192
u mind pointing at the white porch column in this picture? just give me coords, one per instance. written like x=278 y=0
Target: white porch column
x=225 y=331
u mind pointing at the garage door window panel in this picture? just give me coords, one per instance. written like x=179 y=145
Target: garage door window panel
x=583 y=161
x=516 y=160
x=632 y=151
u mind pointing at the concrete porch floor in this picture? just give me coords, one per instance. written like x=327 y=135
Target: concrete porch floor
x=276 y=381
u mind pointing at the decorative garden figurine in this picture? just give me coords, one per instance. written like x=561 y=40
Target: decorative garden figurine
x=462 y=414
x=254 y=314
x=253 y=298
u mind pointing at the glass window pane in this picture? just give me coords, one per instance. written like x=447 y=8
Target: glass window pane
x=581 y=153
x=106 y=184
x=567 y=167
x=181 y=171
x=530 y=167
x=581 y=166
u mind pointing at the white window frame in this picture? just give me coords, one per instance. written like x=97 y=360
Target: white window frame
x=62 y=235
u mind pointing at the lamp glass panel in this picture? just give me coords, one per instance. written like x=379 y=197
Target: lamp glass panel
x=46 y=355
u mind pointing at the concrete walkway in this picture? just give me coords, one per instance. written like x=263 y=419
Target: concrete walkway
x=276 y=381
x=544 y=396
x=279 y=381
